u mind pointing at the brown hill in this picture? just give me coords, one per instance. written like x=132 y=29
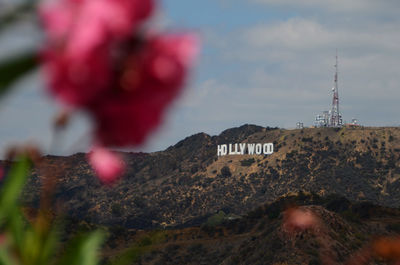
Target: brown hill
x=261 y=237
x=187 y=183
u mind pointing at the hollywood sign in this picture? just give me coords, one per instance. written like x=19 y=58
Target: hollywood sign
x=245 y=148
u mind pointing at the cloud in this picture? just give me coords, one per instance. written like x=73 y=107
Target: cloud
x=307 y=35
x=353 y=6
x=294 y=33
x=291 y=62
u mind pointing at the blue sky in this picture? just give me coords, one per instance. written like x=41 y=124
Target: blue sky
x=268 y=62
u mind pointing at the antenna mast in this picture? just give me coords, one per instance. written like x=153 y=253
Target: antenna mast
x=336 y=118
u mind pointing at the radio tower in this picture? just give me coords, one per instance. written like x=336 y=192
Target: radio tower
x=336 y=118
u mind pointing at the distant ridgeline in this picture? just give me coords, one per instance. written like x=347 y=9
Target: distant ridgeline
x=245 y=148
x=203 y=174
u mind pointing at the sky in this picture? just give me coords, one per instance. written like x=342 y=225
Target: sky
x=264 y=62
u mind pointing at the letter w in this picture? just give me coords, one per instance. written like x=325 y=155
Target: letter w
x=250 y=148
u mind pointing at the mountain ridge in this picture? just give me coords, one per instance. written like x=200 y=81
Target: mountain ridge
x=188 y=182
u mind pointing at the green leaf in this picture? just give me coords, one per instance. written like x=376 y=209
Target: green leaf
x=35 y=244
x=14 y=68
x=49 y=245
x=5 y=258
x=12 y=188
x=31 y=247
x=83 y=250
x=90 y=247
x=16 y=226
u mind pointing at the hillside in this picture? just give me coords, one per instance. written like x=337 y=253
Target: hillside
x=261 y=237
x=187 y=183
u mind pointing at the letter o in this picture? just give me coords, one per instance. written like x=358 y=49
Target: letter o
x=268 y=149
x=258 y=149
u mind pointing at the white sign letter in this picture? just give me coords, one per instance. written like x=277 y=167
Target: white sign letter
x=250 y=148
x=236 y=150
x=242 y=147
x=222 y=150
x=268 y=149
x=230 y=149
x=258 y=149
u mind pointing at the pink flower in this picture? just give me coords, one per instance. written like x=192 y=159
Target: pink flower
x=296 y=219
x=1 y=173
x=78 y=81
x=82 y=36
x=108 y=165
x=84 y=23
x=151 y=79
x=97 y=60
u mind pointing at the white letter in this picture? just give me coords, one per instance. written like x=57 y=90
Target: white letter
x=258 y=149
x=230 y=149
x=222 y=150
x=268 y=149
x=250 y=148
x=265 y=149
x=236 y=149
x=242 y=147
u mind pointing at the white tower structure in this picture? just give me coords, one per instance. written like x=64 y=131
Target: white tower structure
x=335 y=116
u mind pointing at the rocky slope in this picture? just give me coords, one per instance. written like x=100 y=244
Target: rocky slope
x=261 y=237
x=187 y=183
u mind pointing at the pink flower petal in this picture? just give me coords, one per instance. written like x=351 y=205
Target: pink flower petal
x=188 y=48
x=82 y=35
x=108 y=165
x=152 y=79
x=58 y=18
x=296 y=219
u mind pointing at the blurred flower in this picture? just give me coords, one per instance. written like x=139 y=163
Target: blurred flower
x=81 y=25
x=387 y=248
x=81 y=37
x=296 y=219
x=77 y=81
x=150 y=80
x=96 y=59
x=1 y=173
x=108 y=165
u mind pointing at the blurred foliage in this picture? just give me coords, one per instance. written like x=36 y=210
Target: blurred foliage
x=37 y=241
x=14 y=68
x=143 y=245
x=11 y=69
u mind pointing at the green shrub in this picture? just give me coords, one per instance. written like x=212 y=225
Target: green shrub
x=216 y=219
x=247 y=162
x=226 y=172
